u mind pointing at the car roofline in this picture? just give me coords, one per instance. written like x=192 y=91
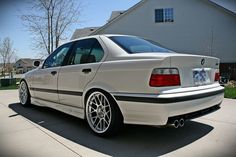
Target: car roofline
x=96 y=36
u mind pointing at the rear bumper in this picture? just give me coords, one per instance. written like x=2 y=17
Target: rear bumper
x=195 y=114
x=153 y=109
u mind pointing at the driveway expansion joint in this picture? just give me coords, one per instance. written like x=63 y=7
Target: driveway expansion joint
x=38 y=127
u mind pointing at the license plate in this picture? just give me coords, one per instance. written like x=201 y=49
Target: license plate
x=200 y=77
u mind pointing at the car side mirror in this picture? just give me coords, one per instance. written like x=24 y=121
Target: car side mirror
x=36 y=63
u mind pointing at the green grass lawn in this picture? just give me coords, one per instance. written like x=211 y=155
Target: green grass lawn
x=230 y=92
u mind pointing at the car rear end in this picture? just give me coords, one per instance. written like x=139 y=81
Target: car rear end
x=198 y=91
x=179 y=87
x=181 y=91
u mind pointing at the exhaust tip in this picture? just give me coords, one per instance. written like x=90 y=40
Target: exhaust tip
x=181 y=122
x=176 y=124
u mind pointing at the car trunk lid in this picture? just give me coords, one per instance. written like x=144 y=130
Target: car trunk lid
x=195 y=70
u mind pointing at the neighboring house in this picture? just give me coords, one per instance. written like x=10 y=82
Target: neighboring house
x=83 y=32
x=24 y=65
x=204 y=27
x=115 y=14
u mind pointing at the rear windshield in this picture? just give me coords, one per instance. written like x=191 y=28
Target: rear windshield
x=138 y=45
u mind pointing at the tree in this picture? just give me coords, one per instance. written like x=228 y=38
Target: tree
x=50 y=20
x=7 y=54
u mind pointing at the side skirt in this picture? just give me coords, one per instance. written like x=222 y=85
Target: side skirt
x=74 y=111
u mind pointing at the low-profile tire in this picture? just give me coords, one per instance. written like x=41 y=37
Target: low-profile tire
x=103 y=114
x=24 y=94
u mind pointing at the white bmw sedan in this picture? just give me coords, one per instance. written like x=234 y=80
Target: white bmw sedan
x=110 y=80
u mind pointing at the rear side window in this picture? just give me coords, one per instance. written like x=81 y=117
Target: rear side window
x=97 y=52
x=86 y=51
x=137 y=45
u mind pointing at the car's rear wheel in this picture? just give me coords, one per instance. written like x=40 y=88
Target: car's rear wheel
x=24 y=95
x=103 y=114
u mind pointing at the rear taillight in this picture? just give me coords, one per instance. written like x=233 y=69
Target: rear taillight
x=162 y=77
x=217 y=76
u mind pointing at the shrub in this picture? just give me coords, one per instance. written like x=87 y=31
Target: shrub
x=231 y=84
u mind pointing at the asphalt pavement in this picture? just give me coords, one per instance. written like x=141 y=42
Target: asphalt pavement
x=39 y=131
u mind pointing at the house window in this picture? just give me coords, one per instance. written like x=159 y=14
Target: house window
x=164 y=15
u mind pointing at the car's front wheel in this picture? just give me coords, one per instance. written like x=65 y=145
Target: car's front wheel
x=103 y=114
x=24 y=95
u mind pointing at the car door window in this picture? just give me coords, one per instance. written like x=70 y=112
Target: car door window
x=57 y=57
x=86 y=51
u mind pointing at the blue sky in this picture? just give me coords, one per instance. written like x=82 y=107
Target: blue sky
x=94 y=13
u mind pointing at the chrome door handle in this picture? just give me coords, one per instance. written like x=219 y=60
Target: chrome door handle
x=53 y=72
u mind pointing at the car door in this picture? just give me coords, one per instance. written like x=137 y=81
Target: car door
x=82 y=66
x=46 y=77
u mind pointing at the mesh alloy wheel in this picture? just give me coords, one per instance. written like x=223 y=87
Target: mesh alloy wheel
x=24 y=95
x=102 y=114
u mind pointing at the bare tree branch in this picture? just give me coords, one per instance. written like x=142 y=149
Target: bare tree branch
x=50 y=20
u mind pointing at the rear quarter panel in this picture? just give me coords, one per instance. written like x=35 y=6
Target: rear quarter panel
x=130 y=76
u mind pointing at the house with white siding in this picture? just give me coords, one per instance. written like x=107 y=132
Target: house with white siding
x=204 y=27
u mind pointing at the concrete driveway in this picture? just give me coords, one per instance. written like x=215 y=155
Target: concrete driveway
x=38 y=132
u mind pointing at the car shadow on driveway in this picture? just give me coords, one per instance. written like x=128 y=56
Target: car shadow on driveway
x=133 y=140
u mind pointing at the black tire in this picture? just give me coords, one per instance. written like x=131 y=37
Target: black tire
x=27 y=101
x=116 y=119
